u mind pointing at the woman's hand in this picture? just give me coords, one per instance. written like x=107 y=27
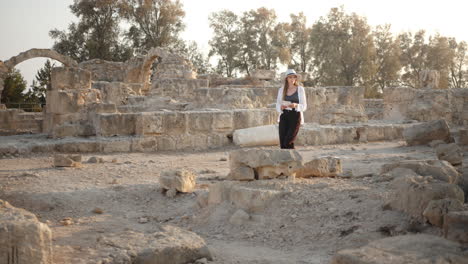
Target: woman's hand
x=293 y=105
x=283 y=107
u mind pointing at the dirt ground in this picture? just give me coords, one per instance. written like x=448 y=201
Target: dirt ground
x=315 y=218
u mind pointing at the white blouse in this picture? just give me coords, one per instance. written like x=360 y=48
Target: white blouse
x=301 y=107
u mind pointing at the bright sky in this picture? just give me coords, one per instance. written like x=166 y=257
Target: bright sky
x=25 y=24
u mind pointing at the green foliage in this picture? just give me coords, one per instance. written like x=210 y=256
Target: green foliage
x=387 y=60
x=39 y=87
x=13 y=87
x=96 y=35
x=458 y=67
x=192 y=52
x=154 y=23
x=342 y=49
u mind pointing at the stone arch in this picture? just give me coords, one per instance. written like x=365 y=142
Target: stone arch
x=33 y=53
x=139 y=68
x=37 y=53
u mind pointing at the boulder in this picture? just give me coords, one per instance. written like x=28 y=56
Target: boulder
x=456 y=226
x=182 y=180
x=408 y=249
x=424 y=133
x=438 y=169
x=437 y=209
x=23 y=239
x=242 y=173
x=320 y=167
x=463 y=137
x=450 y=152
x=169 y=244
x=61 y=160
x=266 y=163
x=413 y=194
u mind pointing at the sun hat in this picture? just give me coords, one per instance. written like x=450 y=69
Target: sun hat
x=290 y=72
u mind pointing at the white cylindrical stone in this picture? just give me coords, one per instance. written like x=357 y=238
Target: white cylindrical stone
x=257 y=136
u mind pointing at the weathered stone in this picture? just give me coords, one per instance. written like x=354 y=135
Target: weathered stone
x=169 y=244
x=426 y=132
x=408 y=249
x=437 y=209
x=395 y=173
x=23 y=239
x=239 y=217
x=181 y=179
x=438 y=169
x=412 y=194
x=429 y=79
x=252 y=199
x=456 y=226
x=242 y=173
x=263 y=74
x=463 y=136
x=108 y=71
x=320 y=167
x=63 y=78
x=256 y=136
x=61 y=160
x=450 y=152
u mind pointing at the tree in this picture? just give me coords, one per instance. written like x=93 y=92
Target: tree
x=96 y=35
x=154 y=23
x=13 y=87
x=440 y=56
x=342 y=49
x=301 y=52
x=413 y=57
x=191 y=50
x=37 y=93
x=257 y=35
x=387 y=57
x=225 y=42
x=458 y=67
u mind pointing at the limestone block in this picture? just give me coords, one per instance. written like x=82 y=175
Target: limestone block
x=168 y=244
x=78 y=146
x=450 y=152
x=113 y=146
x=23 y=239
x=200 y=121
x=61 y=160
x=241 y=174
x=254 y=118
x=166 y=142
x=408 y=249
x=395 y=173
x=150 y=123
x=256 y=158
x=272 y=172
x=437 y=209
x=174 y=123
x=456 y=226
x=116 y=124
x=320 y=167
x=438 y=169
x=463 y=136
x=219 y=192
x=412 y=194
x=222 y=121
x=100 y=108
x=114 y=92
x=70 y=101
x=72 y=130
x=182 y=180
x=267 y=75
x=63 y=78
x=144 y=144
x=257 y=136
x=426 y=132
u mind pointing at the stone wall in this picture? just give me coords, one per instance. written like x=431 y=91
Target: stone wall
x=374 y=108
x=108 y=71
x=426 y=105
x=182 y=122
x=327 y=105
x=16 y=121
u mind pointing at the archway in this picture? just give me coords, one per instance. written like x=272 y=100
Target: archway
x=8 y=65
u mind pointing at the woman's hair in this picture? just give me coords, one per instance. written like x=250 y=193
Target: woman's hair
x=286 y=86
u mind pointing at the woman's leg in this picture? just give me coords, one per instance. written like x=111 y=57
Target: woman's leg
x=293 y=124
x=282 y=129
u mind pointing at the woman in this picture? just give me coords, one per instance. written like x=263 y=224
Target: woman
x=291 y=103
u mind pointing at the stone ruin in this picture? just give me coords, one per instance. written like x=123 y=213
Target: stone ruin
x=102 y=106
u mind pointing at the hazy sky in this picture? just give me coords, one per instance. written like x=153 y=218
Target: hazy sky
x=25 y=24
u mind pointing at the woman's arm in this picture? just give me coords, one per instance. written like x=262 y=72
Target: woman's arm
x=279 y=100
x=302 y=106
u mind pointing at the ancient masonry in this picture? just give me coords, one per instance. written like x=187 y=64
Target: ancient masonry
x=128 y=106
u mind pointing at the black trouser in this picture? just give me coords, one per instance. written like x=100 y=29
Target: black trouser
x=289 y=124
